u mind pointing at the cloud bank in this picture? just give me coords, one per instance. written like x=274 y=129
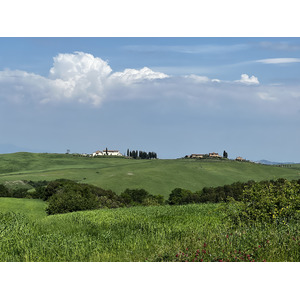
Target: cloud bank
x=82 y=78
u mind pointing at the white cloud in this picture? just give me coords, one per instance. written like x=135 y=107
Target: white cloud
x=132 y=75
x=201 y=79
x=77 y=77
x=248 y=80
x=83 y=78
x=279 y=60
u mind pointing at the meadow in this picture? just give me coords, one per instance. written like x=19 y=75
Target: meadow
x=159 y=176
x=165 y=233
x=195 y=232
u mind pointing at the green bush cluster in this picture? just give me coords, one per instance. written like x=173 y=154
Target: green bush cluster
x=67 y=196
x=33 y=190
x=218 y=194
x=266 y=202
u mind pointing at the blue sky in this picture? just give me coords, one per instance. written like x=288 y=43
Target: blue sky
x=174 y=96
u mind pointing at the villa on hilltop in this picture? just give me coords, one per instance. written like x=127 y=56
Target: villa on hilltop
x=211 y=155
x=214 y=154
x=240 y=159
x=107 y=152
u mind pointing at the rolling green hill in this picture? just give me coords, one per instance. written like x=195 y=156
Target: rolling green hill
x=156 y=176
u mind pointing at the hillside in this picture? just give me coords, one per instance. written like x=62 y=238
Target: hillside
x=156 y=176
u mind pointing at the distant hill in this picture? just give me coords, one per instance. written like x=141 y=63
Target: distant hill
x=157 y=176
x=267 y=162
x=9 y=148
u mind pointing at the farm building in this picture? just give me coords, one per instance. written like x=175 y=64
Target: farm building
x=214 y=154
x=196 y=155
x=240 y=159
x=107 y=152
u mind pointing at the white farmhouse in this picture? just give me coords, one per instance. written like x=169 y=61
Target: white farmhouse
x=107 y=152
x=97 y=153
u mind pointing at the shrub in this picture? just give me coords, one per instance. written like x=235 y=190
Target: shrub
x=67 y=196
x=69 y=201
x=19 y=193
x=4 y=191
x=266 y=202
x=180 y=196
x=134 y=196
x=153 y=200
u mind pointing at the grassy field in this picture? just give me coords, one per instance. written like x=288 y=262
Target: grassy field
x=32 y=208
x=117 y=174
x=195 y=232
x=164 y=233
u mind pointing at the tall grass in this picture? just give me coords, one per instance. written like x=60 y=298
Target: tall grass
x=143 y=234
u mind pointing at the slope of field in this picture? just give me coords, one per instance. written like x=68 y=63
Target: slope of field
x=156 y=176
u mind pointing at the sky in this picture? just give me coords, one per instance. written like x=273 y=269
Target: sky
x=173 y=96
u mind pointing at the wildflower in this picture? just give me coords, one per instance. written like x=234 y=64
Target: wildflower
x=187 y=249
x=204 y=245
x=201 y=259
x=177 y=255
x=259 y=246
x=204 y=251
x=227 y=236
x=220 y=260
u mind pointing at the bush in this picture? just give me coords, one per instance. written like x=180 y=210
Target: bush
x=69 y=201
x=152 y=200
x=67 y=196
x=134 y=197
x=266 y=202
x=180 y=196
x=4 y=191
x=19 y=193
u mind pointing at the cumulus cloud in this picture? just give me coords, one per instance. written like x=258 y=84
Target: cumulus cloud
x=248 y=80
x=77 y=77
x=82 y=78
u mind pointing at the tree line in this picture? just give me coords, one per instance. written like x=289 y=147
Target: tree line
x=268 y=201
x=141 y=154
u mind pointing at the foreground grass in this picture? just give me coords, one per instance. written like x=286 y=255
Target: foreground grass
x=156 y=176
x=165 y=233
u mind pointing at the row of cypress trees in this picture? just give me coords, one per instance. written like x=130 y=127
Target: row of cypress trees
x=141 y=154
